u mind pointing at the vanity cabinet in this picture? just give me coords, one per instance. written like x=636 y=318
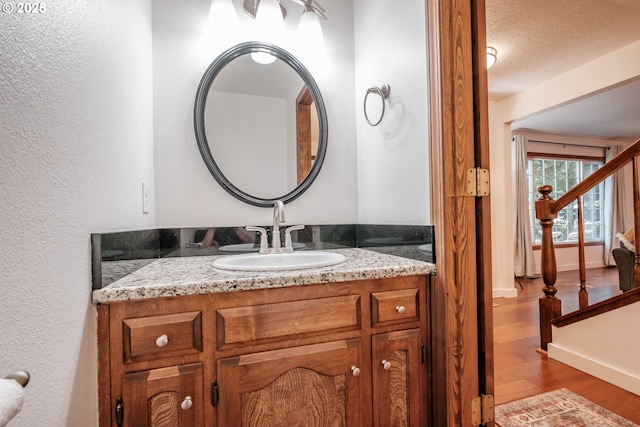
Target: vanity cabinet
x=169 y=396
x=314 y=386
x=397 y=392
x=336 y=354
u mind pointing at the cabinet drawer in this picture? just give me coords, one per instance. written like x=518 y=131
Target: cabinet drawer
x=251 y=323
x=394 y=306
x=161 y=336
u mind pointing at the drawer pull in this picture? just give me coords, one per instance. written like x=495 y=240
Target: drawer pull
x=355 y=371
x=400 y=309
x=162 y=341
x=386 y=365
x=186 y=403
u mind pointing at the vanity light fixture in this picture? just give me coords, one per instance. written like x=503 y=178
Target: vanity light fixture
x=309 y=25
x=492 y=56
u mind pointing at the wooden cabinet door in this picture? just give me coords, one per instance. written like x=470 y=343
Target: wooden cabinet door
x=165 y=397
x=398 y=376
x=312 y=386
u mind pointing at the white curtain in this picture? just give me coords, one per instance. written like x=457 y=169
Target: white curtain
x=614 y=202
x=524 y=264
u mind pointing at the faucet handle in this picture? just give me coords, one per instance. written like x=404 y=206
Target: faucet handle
x=288 y=245
x=264 y=242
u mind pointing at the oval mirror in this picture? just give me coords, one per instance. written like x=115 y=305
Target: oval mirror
x=261 y=128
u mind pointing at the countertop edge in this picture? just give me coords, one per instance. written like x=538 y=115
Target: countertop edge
x=360 y=265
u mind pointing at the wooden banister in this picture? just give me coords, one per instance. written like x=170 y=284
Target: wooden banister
x=550 y=305
x=583 y=295
x=546 y=212
x=609 y=168
x=606 y=306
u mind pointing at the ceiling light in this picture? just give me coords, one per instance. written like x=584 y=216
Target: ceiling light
x=492 y=56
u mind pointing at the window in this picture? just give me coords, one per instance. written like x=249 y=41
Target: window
x=563 y=174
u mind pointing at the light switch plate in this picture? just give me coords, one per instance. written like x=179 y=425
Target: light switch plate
x=146 y=198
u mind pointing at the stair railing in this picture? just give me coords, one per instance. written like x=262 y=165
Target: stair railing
x=546 y=212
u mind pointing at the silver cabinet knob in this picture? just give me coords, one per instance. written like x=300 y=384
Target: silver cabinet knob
x=400 y=309
x=162 y=340
x=186 y=403
x=355 y=371
x=386 y=365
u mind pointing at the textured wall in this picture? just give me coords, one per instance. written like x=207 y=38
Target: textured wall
x=75 y=145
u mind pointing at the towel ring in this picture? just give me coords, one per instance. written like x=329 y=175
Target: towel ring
x=383 y=92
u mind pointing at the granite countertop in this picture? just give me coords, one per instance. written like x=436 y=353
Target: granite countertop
x=167 y=277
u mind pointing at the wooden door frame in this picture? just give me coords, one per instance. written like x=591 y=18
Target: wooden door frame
x=459 y=140
x=303 y=134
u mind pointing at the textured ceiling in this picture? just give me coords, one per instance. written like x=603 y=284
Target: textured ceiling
x=540 y=39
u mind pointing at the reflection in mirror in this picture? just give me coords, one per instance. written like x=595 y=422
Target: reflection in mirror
x=262 y=110
x=261 y=128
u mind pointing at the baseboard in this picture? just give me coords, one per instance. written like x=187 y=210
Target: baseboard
x=505 y=293
x=596 y=368
x=574 y=266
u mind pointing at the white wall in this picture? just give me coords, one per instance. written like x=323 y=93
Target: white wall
x=261 y=144
x=393 y=161
x=606 y=346
x=186 y=194
x=76 y=144
x=594 y=76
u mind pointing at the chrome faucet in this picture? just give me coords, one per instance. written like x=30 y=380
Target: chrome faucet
x=276 y=242
x=278 y=217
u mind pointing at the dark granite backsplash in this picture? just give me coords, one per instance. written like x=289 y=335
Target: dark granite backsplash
x=114 y=255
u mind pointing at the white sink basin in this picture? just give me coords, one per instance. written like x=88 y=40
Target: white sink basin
x=275 y=262
x=425 y=248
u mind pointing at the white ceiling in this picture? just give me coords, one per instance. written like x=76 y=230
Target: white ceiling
x=540 y=39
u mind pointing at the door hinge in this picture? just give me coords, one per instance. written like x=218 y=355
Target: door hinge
x=119 y=411
x=423 y=354
x=214 y=393
x=482 y=410
x=477 y=182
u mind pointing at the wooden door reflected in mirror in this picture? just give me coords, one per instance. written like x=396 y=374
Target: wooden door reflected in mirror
x=307 y=133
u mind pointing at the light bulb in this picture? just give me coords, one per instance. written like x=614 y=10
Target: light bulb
x=222 y=16
x=262 y=57
x=310 y=29
x=269 y=20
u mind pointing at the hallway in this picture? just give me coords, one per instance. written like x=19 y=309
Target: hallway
x=521 y=371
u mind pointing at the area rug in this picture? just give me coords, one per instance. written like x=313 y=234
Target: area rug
x=557 y=408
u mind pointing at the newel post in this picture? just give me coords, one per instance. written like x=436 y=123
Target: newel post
x=550 y=306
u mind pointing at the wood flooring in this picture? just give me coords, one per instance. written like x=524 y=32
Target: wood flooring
x=520 y=371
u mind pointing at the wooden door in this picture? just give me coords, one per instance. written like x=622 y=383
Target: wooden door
x=398 y=374
x=165 y=397
x=461 y=292
x=310 y=386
